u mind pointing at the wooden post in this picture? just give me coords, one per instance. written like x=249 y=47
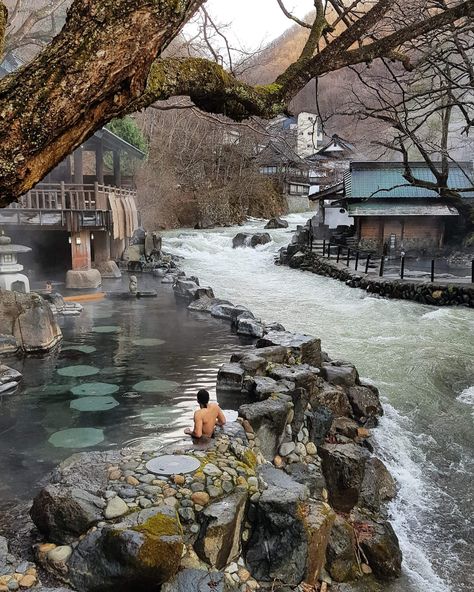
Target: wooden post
x=99 y=162
x=63 y=196
x=338 y=253
x=402 y=267
x=348 y=256
x=432 y=270
x=329 y=250
x=357 y=260
x=324 y=246
x=367 y=264
x=382 y=263
x=472 y=271
x=310 y=236
x=117 y=171
x=78 y=166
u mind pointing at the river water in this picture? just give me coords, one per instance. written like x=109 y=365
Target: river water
x=421 y=358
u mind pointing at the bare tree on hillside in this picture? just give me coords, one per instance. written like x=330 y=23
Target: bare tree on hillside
x=106 y=62
x=203 y=172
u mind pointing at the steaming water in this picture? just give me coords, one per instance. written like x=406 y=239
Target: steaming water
x=420 y=357
x=124 y=343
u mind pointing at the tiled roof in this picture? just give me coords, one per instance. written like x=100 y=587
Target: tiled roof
x=385 y=180
x=380 y=208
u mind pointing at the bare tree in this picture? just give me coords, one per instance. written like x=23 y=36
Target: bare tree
x=106 y=62
x=202 y=170
x=427 y=113
x=33 y=23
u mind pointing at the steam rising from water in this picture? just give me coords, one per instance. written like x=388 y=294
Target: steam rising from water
x=421 y=359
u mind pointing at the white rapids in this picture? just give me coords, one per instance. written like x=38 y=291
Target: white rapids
x=420 y=357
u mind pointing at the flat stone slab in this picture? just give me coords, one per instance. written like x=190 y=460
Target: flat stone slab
x=172 y=464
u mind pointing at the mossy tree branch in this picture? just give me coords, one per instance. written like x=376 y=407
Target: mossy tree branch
x=3 y=27
x=105 y=63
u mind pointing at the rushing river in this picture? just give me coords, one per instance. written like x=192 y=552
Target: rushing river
x=421 y=358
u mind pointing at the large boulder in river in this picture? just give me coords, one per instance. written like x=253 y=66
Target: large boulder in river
x=344 y=469
x=365 y=402
x=228 y=312
x=341 y=374
x=276 y=222
x=245 y=239
x=218 y=543
x=290 y=533
x=268 y=420
x=306 y=348
x=29 y=320
x=139 y=553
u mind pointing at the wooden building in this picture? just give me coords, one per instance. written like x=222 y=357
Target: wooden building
x=80 y=216
x=392 y=215
x=289 y=172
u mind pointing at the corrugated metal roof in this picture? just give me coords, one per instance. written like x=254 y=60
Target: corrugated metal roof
x=396 y=209
x=385 y=180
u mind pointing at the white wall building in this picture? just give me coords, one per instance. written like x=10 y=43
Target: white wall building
x=309 y=137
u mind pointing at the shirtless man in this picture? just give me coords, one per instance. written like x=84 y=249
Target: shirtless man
x=206 y=417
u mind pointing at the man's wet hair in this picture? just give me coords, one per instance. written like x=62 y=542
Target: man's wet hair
x=203 y=397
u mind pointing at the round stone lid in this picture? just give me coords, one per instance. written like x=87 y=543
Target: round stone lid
x=172 y=464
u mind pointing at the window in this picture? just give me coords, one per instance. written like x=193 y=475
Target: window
x=8 y=258
x=296 y=189
x=268 y=170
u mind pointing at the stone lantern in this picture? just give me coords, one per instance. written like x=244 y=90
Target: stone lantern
x=10 y=278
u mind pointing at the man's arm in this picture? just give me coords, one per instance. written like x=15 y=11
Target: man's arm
x=197 y=432
x=221 y=420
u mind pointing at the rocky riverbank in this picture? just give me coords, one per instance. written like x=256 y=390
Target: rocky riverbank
x=298 y=256
x=289 y=497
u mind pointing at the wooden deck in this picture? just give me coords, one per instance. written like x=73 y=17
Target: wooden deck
x=65 y=206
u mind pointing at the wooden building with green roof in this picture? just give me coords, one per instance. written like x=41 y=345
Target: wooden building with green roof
x=391 y=213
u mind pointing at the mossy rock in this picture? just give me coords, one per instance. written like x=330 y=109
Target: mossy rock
x=141 y=553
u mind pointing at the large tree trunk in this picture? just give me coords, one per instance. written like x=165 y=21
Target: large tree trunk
x=90 y=72
x=106 y=63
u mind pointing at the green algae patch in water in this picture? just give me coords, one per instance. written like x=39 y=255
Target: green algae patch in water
x=94 y=404
x=155 y=386
x=107 y=329
x=84 y=349
x=147 y=342
x=77 y=438
x=78 y=371
x=94 y=389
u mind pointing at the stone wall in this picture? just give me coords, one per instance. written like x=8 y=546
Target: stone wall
x=298 y=256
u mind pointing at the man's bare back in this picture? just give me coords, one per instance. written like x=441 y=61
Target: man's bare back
x=206 y=418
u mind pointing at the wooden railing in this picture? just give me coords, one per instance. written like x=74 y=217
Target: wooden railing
x=70 y=196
